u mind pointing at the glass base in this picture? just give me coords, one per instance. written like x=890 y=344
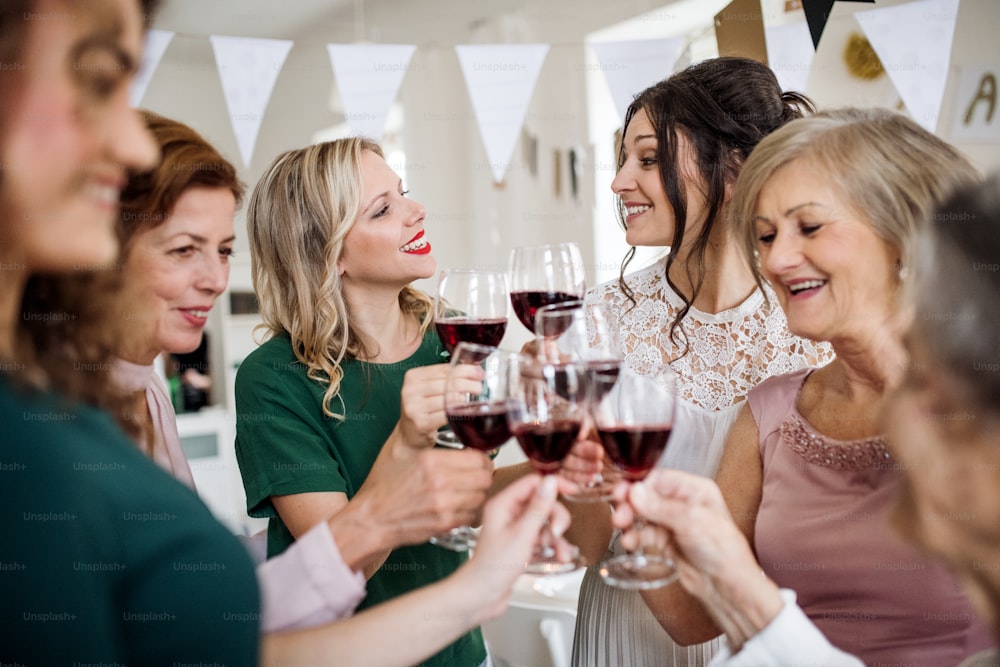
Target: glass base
x=447 y=438
x=638 y=571
x=544 y=561
x=543 y=566
x=600 y=490
x=458 y=539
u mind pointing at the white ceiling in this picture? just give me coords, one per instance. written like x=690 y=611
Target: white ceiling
x=409 y=21
x=245 y=18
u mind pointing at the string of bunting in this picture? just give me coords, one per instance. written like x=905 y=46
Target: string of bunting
x=913 y=41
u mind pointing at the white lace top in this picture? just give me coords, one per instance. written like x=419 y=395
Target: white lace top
x=729 y=353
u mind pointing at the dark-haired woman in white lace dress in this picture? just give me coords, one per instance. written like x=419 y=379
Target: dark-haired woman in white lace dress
x=698 y=310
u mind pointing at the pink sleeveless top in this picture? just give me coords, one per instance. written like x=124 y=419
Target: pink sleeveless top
x=823 y=530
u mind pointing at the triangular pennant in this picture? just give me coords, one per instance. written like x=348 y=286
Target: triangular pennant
x=368 y=77
x=248 y=68
x=790 y=54
x=913 y=41
x=631 y=67
x=817 y=13
x=501 y=79
x=156 y=45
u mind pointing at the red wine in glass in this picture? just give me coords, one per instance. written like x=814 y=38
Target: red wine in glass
x=547 y=444
x=480 y=425
x=527 y=303
x=634 y=449
x=634 y=421
x=546 y=425
x=455 y=330
x=477 y=416
x=471 y=307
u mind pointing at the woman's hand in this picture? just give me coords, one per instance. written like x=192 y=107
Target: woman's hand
x=714 y=560
x=423 y=397
x=585 y=460
x=512 y=527
x=411 y=499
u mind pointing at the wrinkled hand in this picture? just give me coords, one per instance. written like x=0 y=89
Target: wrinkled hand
x=512 y=527
x=415 y=497
x=423 y=397
x=700 y=534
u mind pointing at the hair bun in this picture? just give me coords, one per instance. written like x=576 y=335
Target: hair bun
x=795 y=105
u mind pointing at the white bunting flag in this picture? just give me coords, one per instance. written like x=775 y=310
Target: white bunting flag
x=368 y=78
x=248 y=68
x=913 y=41
x=631 y=67
x=501 y=79
x=156 y=45
x=790 y=54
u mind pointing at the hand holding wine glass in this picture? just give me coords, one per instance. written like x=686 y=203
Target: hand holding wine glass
x=471 y=306
x=476 y=407
x=542 y=275
x=634 y=420
x=545 y=416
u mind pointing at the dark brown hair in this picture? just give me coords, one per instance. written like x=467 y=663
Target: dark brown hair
x=724 y=107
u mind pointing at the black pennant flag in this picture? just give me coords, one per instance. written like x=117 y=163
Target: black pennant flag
x=817 y=12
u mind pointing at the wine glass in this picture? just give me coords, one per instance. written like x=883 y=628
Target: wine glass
x=542 y=275
x=479 y=419
x=583 y=333
x=471 y=306
x=634 y=420
x=545 y=413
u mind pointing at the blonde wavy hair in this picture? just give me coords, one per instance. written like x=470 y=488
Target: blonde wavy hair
x=298 y=216
x=889 y=170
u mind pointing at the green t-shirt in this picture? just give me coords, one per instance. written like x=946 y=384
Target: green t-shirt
x=285 y=445
x=105 y=558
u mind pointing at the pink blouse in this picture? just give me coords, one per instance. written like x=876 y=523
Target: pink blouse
x=309 y=584
x=823 y=530
x=166 y=448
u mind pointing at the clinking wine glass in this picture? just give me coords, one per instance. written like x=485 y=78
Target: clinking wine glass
x=544 y=274
x=471 y=306
x=479 y=419
x=634 y=420
x=583 y=333
x=545 y=415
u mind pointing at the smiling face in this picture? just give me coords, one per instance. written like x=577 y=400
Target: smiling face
x=386 y=244
x=833 y=275
x=649 y=217
x=175 y=271
x=70 y=134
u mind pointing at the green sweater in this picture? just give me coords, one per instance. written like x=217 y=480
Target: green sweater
x=105 y=558
x=285 y=445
